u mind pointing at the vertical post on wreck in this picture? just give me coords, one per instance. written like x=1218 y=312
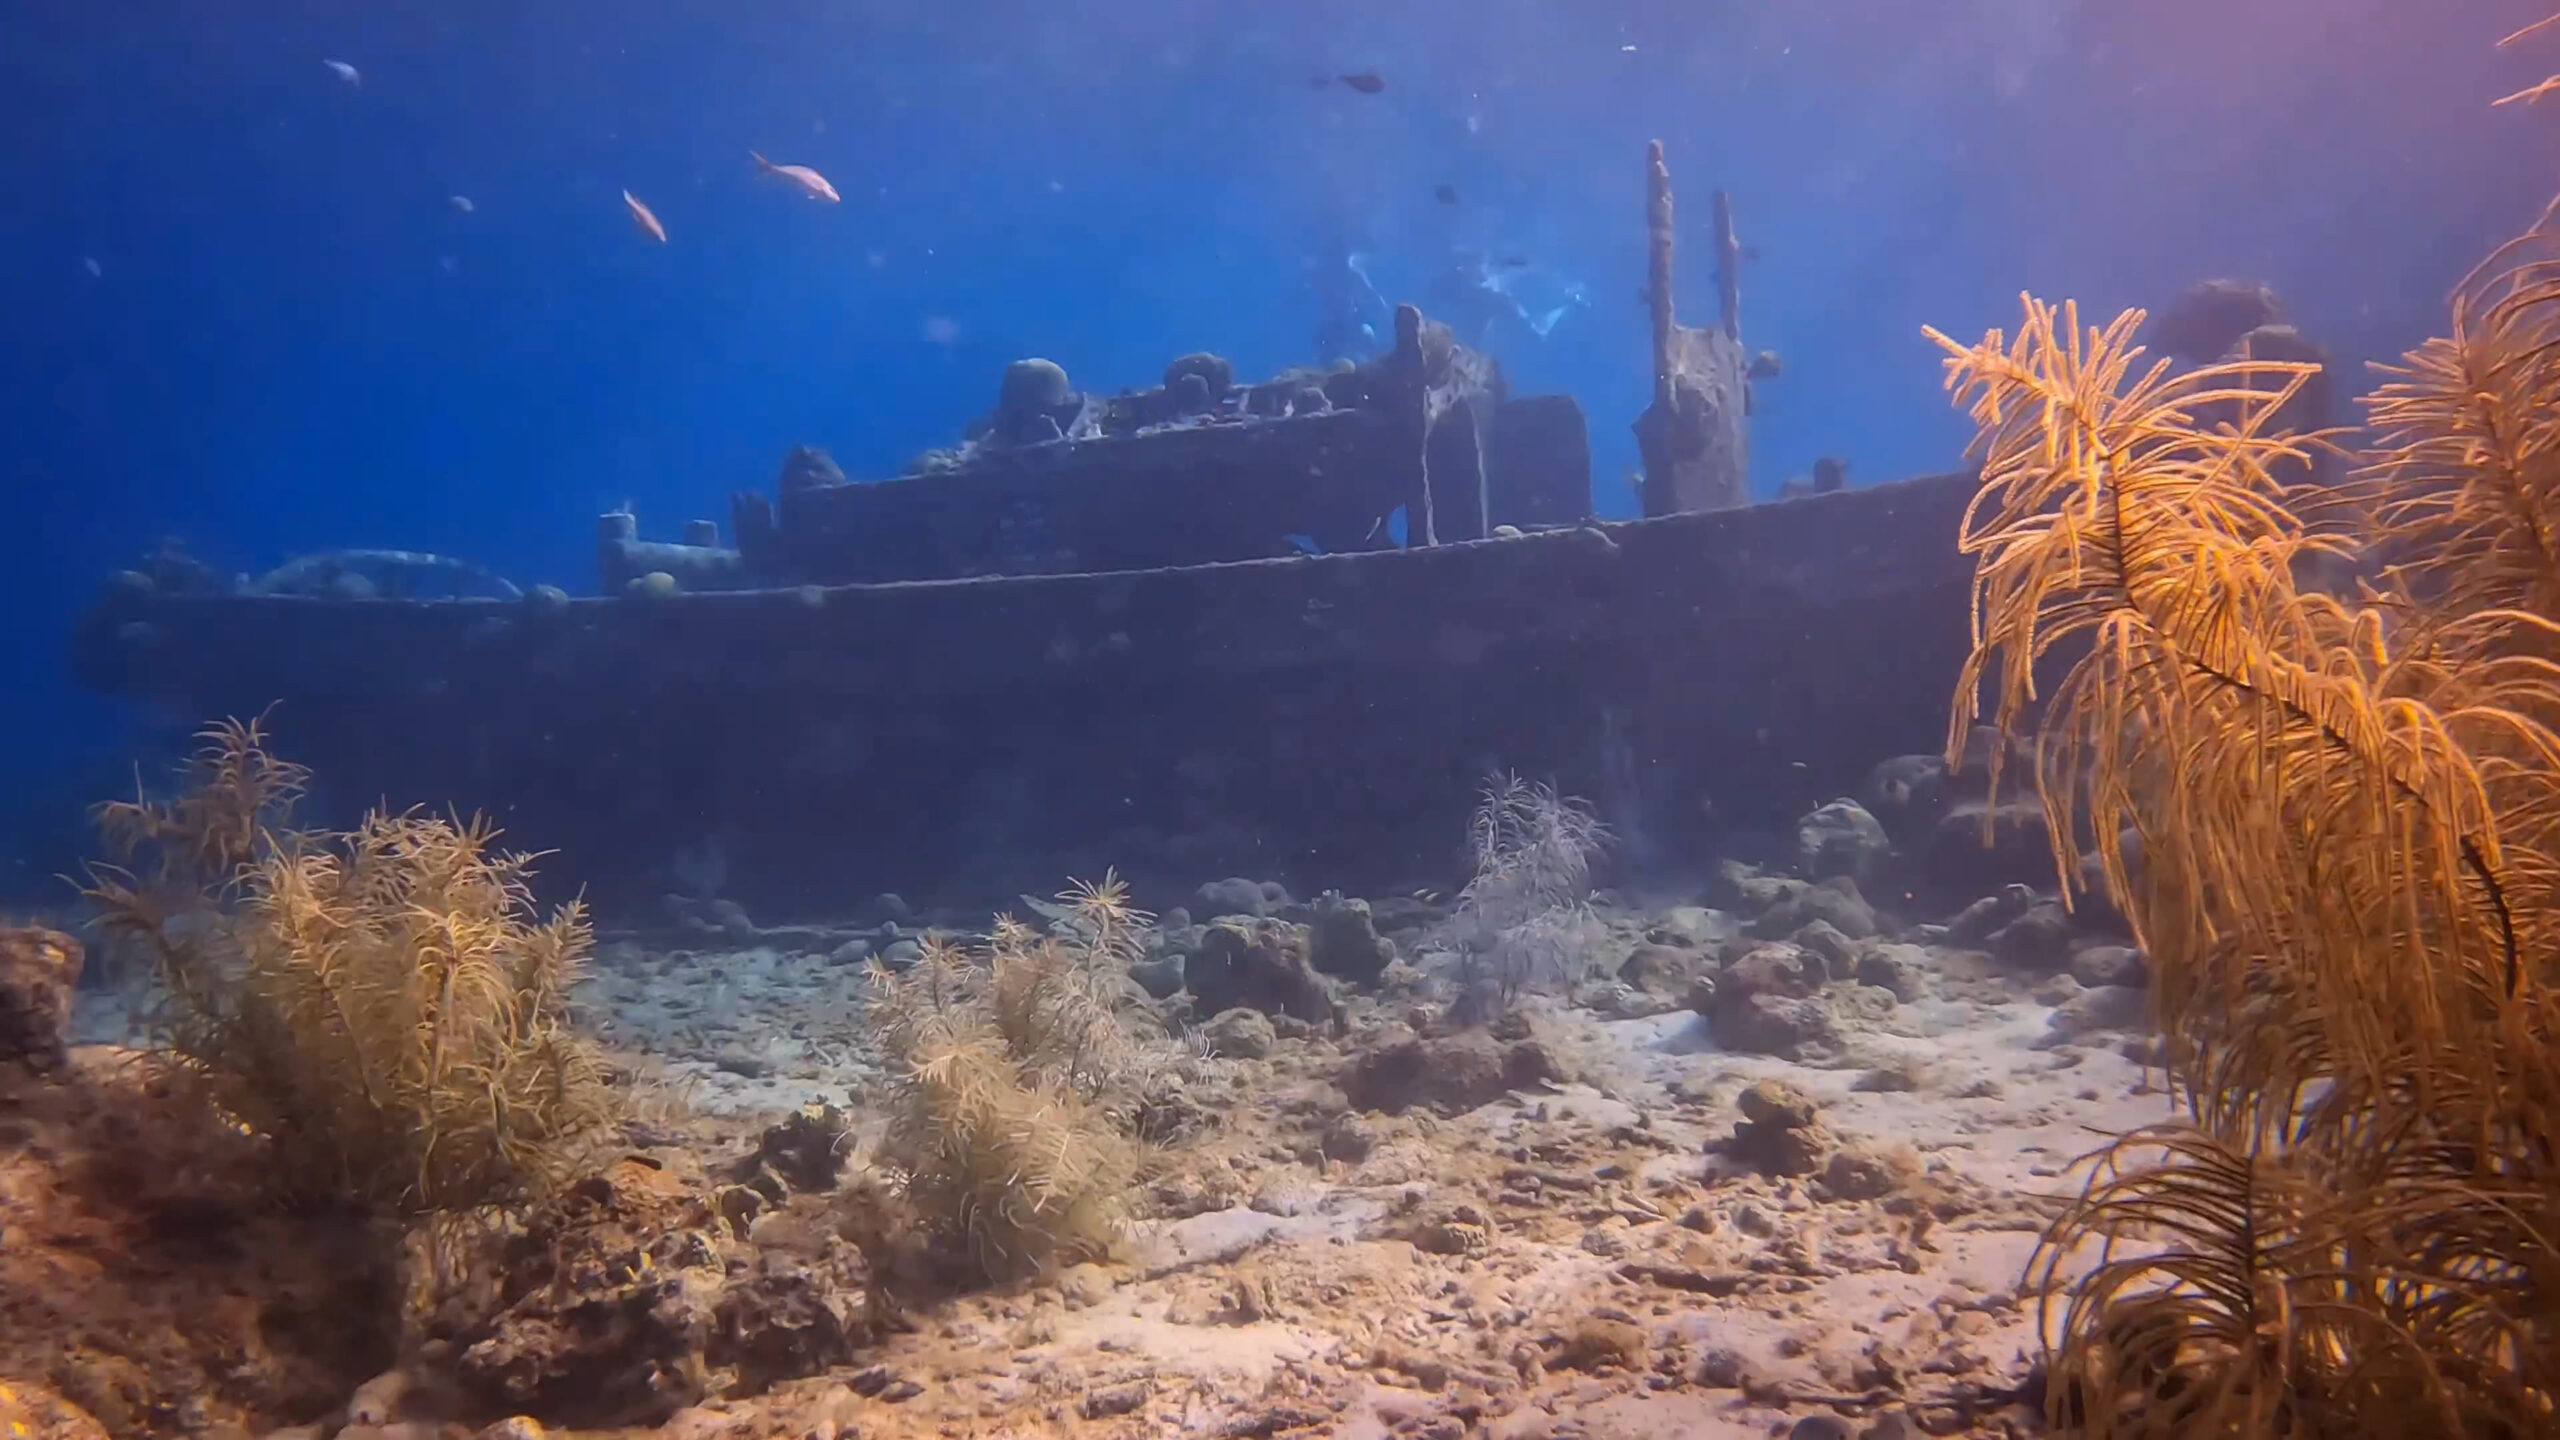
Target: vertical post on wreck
x=1728 y=271
x=1411 y=371
x=1657 y=283
x=1696 y=436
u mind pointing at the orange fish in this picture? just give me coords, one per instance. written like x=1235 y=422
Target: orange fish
x=810 y=182
x=641 y=217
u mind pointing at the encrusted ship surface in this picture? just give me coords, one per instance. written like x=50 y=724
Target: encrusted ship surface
x=1284 y=628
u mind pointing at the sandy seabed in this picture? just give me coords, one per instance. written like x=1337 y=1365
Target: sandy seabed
x=1650 y=1236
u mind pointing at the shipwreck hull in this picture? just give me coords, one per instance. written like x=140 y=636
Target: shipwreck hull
x=1320 y=720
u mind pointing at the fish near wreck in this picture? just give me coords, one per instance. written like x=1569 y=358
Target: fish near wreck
x=807 y=181
x=645 y=218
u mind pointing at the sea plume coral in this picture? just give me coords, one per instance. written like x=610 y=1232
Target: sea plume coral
x=384 y=1008
x=1525 y=914
x=2464 y=480
x=1022 y=1078
x=2346 y=814
x=2540 y=88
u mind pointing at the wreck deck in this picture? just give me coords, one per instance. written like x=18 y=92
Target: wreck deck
x=1321 y=720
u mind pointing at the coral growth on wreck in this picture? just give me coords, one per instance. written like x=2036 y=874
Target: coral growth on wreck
x=383 y=1008
x=1022 y=1080
x=2346 y=813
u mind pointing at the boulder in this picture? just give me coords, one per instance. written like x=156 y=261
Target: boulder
x=1900 y=969
x=2104 y=965
x=1958 y=857
x=785 y=1318
x=1838 y=953
x=1780 y=1132
x=1343 y=939
x=2038 y=942
x=1658 y=969
x=1239 y=1035
x=1621 y=1001
x=1835 y=900
x=1840 y=838
x=2109 y=1007
x=1348 y=1139
x=629 y=1288
x=1777 y=1105
x=806 y=1151
x=1160 y=975
x=1857 y=1172
x=1742 y=887
x=1231 y=896
x=1789 y=1029
x=1973 y=924
x=1694 y=926
x=1450 y=1074
x=1394 y=914
x=1764 y=1004
x=1773 y=969
x=39 y=970
x=1259 y=965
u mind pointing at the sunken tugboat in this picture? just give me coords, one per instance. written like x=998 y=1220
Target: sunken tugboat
x=1282 y=627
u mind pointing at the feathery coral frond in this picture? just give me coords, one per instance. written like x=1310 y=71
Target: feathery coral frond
x=2347 y=816
x=382 y=1007
x=2466 y=474
x=2534 y=92
x=1021 y=1082
x=2261 y=741
x=2260 y=1294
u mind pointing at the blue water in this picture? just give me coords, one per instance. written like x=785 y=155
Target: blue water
x=293 y=341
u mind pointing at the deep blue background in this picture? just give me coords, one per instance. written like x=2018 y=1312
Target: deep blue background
x=296 y=343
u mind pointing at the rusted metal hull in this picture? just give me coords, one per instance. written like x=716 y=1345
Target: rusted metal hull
x=1321 y=720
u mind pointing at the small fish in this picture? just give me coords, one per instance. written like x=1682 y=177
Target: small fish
x=461 y=203
x=345 y=71
x=90 y=264
x=1445 y=194
x=642 y=217
x=1514 y=262
x=810 y=182
x=1427 y=895
x=1366 y=82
